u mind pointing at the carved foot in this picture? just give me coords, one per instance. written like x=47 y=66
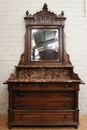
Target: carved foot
x=76 y=126
x=10 y=126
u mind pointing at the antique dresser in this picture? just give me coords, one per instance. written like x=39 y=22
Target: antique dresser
x=43 y=91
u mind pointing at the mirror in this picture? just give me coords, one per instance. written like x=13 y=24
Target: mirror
x=44 y=44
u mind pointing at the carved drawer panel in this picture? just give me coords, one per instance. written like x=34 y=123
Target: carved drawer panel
x=65 y=105
x=43 y=96
x=42 y=86
x=43 y=117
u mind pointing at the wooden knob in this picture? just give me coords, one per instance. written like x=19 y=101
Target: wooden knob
x=66 y=85
x=21 y=85
x=43 y=86
x=21 y=104
x=65 y=94
x=65 y=104
x=21 y=94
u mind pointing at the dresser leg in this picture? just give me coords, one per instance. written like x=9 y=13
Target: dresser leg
x=76 y=126
x=10 y=126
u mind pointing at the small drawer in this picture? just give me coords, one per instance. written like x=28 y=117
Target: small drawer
x=42 y=86
x=21 y=105
x=43 y=96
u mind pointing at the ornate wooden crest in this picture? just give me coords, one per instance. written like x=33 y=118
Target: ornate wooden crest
x=44 y=17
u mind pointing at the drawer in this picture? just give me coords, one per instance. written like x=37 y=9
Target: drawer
x=42 y=86
x=65 y=105
x=43 y=96
x=43 y=117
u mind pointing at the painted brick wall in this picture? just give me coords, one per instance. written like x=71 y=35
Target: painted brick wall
x=12 y=31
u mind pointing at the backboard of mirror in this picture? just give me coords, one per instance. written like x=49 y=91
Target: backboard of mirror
x=44 y=38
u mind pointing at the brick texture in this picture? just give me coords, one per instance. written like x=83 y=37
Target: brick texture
x=12 y=31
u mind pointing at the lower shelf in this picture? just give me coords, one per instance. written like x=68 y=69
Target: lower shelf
x=43 y=118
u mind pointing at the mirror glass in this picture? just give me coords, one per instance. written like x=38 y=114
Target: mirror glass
x=44 y=44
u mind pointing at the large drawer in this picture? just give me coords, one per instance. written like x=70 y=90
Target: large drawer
x=65 y=105
x=43 y=96
x=43 y=117
x=42 y=86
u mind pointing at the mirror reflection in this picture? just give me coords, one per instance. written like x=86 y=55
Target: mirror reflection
x=45 y=44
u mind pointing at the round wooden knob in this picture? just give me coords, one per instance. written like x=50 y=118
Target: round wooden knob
x=21 y=94
x=21 y=85
x=65 y=104
x=65 y=94
x=66 y=85
x=21 y=104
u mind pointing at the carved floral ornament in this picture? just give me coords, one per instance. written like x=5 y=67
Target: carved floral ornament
x=44 y=17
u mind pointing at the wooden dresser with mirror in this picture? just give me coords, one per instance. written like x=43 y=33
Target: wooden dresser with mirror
x=43 y=91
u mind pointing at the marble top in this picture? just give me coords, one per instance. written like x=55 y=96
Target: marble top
x=43 y=80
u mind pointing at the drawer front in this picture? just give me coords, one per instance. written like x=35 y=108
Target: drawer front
x=43 y=117
x=43 y=96
x=65 y=105
x=42 y=86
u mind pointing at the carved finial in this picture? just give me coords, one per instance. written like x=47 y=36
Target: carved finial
x=45 y=7
x=62 y=13
x=27 y=12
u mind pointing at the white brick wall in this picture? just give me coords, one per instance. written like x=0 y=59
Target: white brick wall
x=12 y=31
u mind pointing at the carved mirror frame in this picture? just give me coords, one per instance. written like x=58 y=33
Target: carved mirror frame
x=44 y=19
